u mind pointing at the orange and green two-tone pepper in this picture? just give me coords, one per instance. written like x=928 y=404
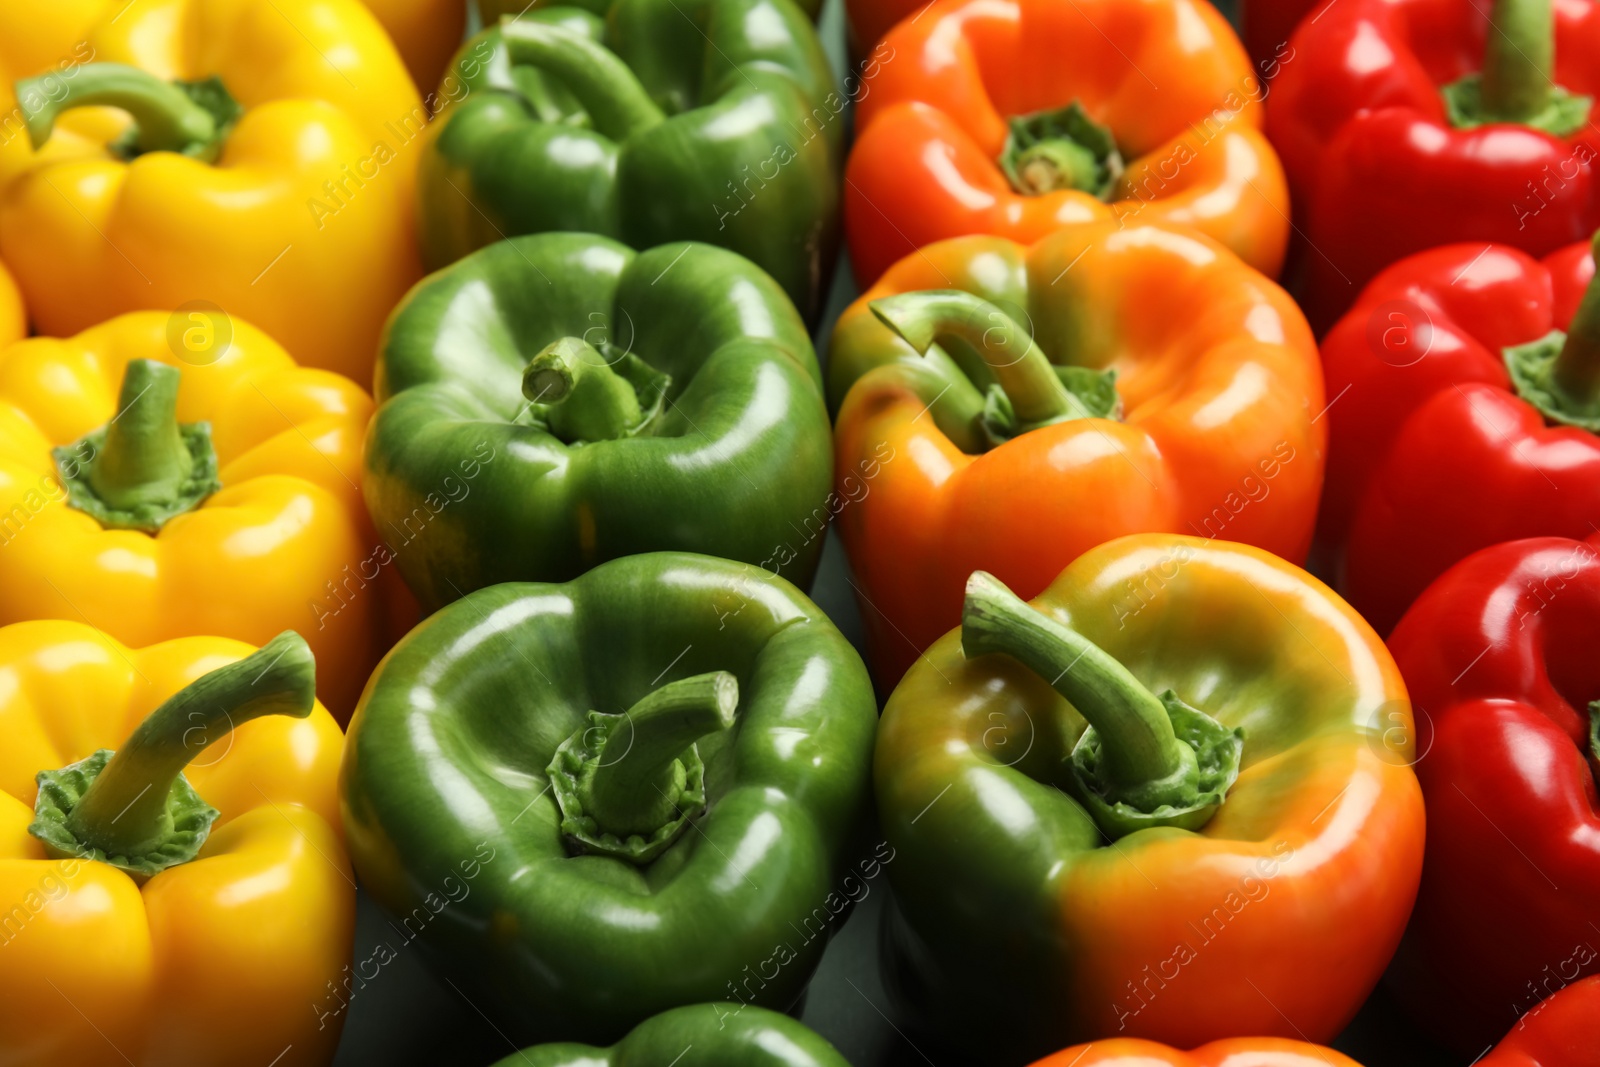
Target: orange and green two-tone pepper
x=1170 y=799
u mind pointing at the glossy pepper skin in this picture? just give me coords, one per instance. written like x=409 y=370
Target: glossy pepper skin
x=1499 y=654
x=13 y=317
x=1427 y=424
x=1015 y=919
x=588 y=946
x=485 y=480
x=1266 y=26
x=1559 y=1032
x=714 y=121
x=287 y=442
x=426 y=32
x=493 y=11
x=217 y=961
x=936 y=109
x=1379 y=171
x=300 y=222
x=700 y=1035
x=1219 y=434
x=1234 y=1052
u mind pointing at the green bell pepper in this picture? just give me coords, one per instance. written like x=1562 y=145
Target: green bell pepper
x=557 y=400
x=701 y=1035
x=699 y=120
x=654 y=777
x=494 y=10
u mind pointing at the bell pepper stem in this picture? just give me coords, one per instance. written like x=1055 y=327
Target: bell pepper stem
x=127 y=814
x=1576 y=371
x=636 y=776
x=167 y=119
x=581 y=397
x=1139 y=742
x=1517 y=60
x=1145 y=761
x=144 y=457
x=1016 y=363
x=617 y=104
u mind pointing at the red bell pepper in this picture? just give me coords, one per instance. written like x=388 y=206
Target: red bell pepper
x=1499 y=658
x=1560 y=1032
x=1395 y=142
x=1436 y=449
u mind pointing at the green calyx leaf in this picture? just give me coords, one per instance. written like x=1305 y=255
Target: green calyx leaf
x=1061 y=149
x=1185 y=799
x=213 y=97
x=1532 y=368
x=1564 y=113
x=571 y=772
x=185 y=822
x=1093 y=396
x=149 y=515
x=587 y=394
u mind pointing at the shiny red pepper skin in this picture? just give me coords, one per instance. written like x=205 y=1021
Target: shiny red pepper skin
x=1431 y=456
x=1560 y=1032
x=1376 y=171
x=1499 y=658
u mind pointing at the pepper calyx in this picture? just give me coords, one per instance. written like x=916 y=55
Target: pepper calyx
x=132 y=808
x=61 y=790
x=1187 y=799
x=628 y=785
x=581 y=394
x=1093 y=391
x=1564 y=113
x=143 y=468
x=1533 y=370
x=1061 y=149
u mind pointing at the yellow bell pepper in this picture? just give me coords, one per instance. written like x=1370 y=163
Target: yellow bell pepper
x=13 y=320
x=134 y=938
x=427 y=32
x=158 y=527
x=285 y=198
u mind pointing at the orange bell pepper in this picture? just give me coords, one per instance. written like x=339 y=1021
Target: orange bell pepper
x=974 y=457
x=1013 y=117
x=126 y=513
x=203 y=923
x=1235 y=1052
x=284 y=197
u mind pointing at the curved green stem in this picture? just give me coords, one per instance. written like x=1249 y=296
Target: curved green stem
x=1518 y=59
x=167 y=118
x=632 y=787
x=1559 y=373
x=1009 y=355
x=1576 y=371
x=627 y=785
x=142 y=468
x=617 y=103
x=579 y=394
x=1137 y=733
x=132 y=808
x=1145 y=761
